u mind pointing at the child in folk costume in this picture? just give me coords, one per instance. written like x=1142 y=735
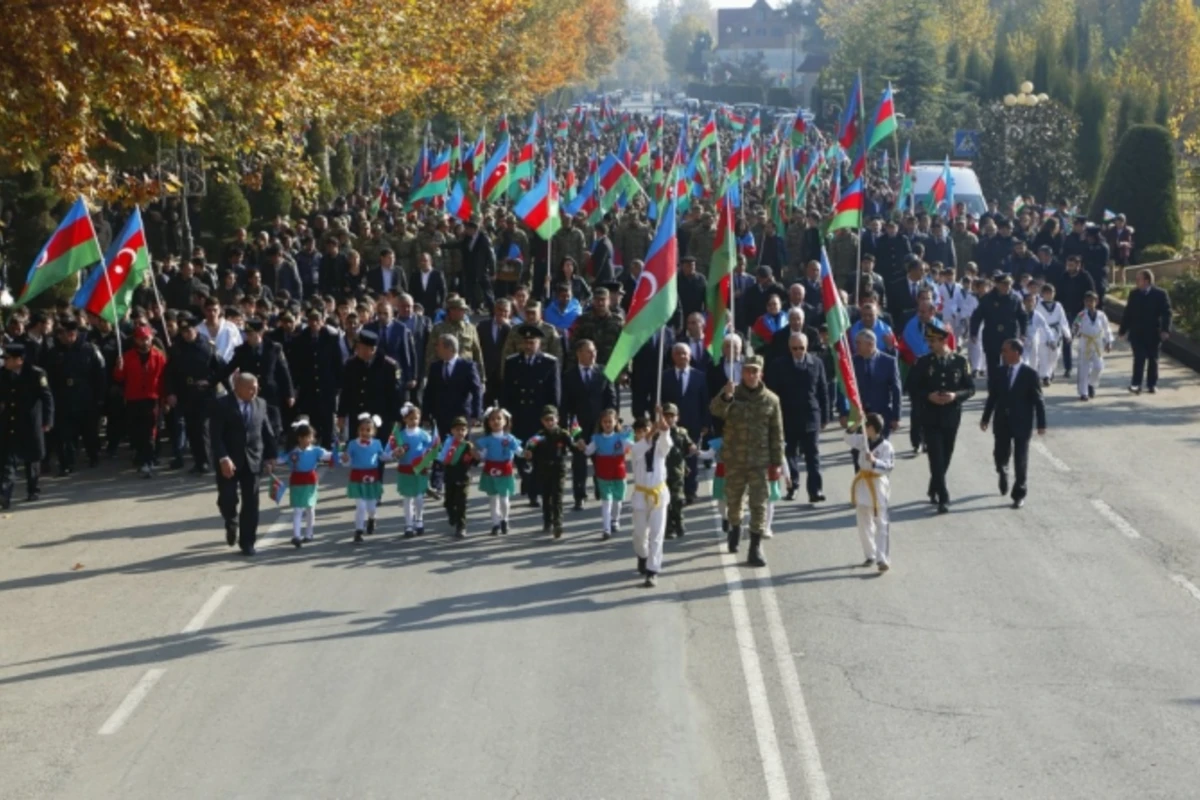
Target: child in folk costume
x=1095 y=338
x=650 y=495
x=970 y=302
x=1057 y=334
x=774 y=495
x=456 y=458
x=411 y=448
x=498 y=448
x=364 y=455
x=1036 y=331
x=608 y=449
x=303 y=459
x=870 y=491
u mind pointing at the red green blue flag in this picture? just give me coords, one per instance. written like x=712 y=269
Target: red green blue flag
x=71 y=248
x=538 y=208
x=848 y=211
x=883 y=124
x=837 y=322
x=108 y=290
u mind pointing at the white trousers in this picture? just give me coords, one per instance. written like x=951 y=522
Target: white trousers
x=975 y=355
x=873 y=533
x=1089 y=368
x=362 y=510
x=610 y=513
x=299 y=517
x=498 y=504
x=1047 y=359
x=649 y=528
x=414 y=511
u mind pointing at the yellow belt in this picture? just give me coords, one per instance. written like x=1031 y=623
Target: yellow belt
x=651 y=493
x=870 y=478
x=1093 y=345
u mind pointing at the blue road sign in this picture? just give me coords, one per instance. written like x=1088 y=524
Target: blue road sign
x=966 y=144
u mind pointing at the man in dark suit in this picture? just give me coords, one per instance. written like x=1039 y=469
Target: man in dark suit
x=479 y=265
x=586 y=394
x=693 y=337
x=428 y=285
x=387 y=275
x=264 y=358
x=491 y=333
x=243 y=442
x=877 y=375
x=780 y=345
x=395 y=342
x=316 y=363
x=602 y=256
x=26 y=414
x=799 y=381
x=647 y=364
x=1147 y=323
x=687 y=388
x=409 y=314
x=532 y=381
x=370 y=384
x=1015 y=399
x=453 y=388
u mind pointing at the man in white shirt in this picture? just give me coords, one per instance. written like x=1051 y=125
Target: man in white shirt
x=221 y=332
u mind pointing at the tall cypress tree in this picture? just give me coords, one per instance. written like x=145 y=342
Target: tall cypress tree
x=1004 y=73
x=1092 y=107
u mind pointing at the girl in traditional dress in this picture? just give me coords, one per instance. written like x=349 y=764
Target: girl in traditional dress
x=496 y=449
x=364 y=456
x=303 y=459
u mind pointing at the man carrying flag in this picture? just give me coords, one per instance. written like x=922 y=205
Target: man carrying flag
x=107 y=291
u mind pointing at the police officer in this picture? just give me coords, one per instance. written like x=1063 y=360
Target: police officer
x=78 y=378
x=192 y=370
x=265 y=359
x=1001 y=316
x=941 y=381
x=316 y=363
x=26 y=414
x=532 y=381
x=371 y=384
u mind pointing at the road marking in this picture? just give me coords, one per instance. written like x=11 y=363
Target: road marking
x=275 y=528
x=1187 y=585
x=1057 y=462
x=132 y=700
x=1116 y=519
x=207 y=609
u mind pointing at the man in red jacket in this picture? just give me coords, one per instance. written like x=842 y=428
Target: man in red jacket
x=142 y=370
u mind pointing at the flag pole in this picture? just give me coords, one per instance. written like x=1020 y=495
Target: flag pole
x=662 y=354
x=862 y=124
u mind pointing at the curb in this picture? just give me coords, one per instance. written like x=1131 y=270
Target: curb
x=1182 y=348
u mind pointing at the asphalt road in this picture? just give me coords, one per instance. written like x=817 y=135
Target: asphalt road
x=1044 y=653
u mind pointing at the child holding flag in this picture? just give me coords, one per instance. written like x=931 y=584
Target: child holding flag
x=457 y=457
x=870 y=491
x=498 y=448
x=364 y=456
x=414 y=450
x=608 y=449
x=650 y=496
x=302 y=480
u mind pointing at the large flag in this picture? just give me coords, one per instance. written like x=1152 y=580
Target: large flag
x=837 y=322
x=577 y=203
x=71 y=248
x=942 y=191
x=883 y=124
x=720 y=278
x=108 y=290
x=847 y=130
x=538 y=209
x=473 y=166
x=799 y=129
x=848 y=211
x=437 y=182
x=379 y=201
x=493 y=181
x=521 y=175
x=708 y=134
x=461 y=204
x=654 y=297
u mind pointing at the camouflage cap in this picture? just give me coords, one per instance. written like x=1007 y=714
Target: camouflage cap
x=456 y=304
x=671 y=408
x=549 y=411
x=753 y=362
x=458 y=421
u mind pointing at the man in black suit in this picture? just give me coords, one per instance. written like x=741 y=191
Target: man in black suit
x=395 y=342
x=387 y=275
x=409 y=314
x=532 y=381
x=453 y=388
x=602 y=256
x=780 y=345
x=491 y=333
x=586 y=394
x=693 y=337
x=1015 y=399
x=243 y=443
x=647 y=364
x=263 y=358
x=26 y=415
x=428 y=285
x=316 y=362
x=686 y=387
x=371 y=385
x=479 y=265
x=1147 y=323
x=799 y=380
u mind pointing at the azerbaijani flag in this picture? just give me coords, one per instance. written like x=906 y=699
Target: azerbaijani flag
x=430 y=455
x=799 y=129
x=708 y=134
x=563 y=130
x=883 y=124
x=848 y=124
x=720 y=278
x=942 y=190
x=71 y=248
x=576 y=204
x=522 y=172
x=575 y=431
x=493 y=181
x=109 y=288
x=837 y=322
x=381 y=196
x=538 y=209
x=654 y=298
x=461 y=204
x=474 y=165
x=278 y=490
x=906 y=177
x=848 y=211
x=438 y=181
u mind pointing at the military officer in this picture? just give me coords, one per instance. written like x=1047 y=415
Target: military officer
x=456 y=325
x=599 y=326
x=532 y=381
x=192 y=370
x=79 y=380
x=752 y=452
x=316 y=361
x=941 y=381
x=1001 y=316
x=26 y=414
x=551 y=345
x=371 y=384
x=265 y=359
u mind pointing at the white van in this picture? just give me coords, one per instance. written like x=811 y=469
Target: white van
x=966 y=184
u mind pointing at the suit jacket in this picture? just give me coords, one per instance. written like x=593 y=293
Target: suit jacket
x=26 y=406
x=491 y=347
x=647 y=364
x=602 y=261
x=693 y=404
x=1147 y=314
x=478 y=261
x=803 y=391
x=878 y=380
x=1015 y=407
x=397 y=343
x=246 y=445
x=528 y=389
x=778 y=347
x=701 y=358
x=268 y=363
x=375 y=279
x=433 y=295
x=586 y=401
x=459 y=396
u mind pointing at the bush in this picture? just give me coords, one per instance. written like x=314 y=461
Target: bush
x=1140 y=181
x=225 y=208
x=1155 y=253
x=341 y=168
x=1185 y=301
x=274 y=198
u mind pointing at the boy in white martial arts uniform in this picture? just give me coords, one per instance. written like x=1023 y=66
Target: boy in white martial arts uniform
x=1035 y=332
x=970 y=302
x=650 y=495
x=1095 y=338
x=870 y=490
x=1057 y=334
x=949 y=301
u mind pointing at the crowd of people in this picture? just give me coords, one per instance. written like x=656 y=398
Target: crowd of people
x=432 y=346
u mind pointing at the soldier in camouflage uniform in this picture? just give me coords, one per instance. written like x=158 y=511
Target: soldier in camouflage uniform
x=570 y=241
x=633 y=237
x=550 y=449
x=682 y=446
x=752 y=452
x=404 y=245
x=430 y=240
x=599 y=325
x=452 y=256
x=374 y=245
x=700 y=243
x=457 y=326
x=552 y=344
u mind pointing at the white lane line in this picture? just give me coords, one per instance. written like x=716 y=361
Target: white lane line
x=207 y=609
x=132 y=700
x=806 y=740
x=760 y=708
x=1116 y=519
x=1187 y=585
x=1054 y=460
x=274 y=530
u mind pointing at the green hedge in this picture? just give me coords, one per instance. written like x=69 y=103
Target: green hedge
x=1140 y=182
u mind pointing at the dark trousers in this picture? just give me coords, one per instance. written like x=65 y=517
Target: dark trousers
x=991 y=355
x=806 y=444
x=321 y=418
x=1066 y=353
x=1145 y=359
x=71 y=427
x=195 y=423
x=8 y=475
x=1008 y=446
x=245 y=483
x=456 y=503
x=675 y=509
x=550 y=488
x=114 y=426
x=530 y=483
x=579 y=476
x=939 y=443
x=176 y=432
x=143 y=429
x=914 y=421
x=691 y=478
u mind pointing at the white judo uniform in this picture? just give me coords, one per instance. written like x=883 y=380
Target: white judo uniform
x=1093 y=336
x=650 y=498
x=1056 y=335
x=1035 y=333
x=869 y=492
x=967 y=307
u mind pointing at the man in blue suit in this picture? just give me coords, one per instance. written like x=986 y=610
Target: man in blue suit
x=799 y=380
x=686 y=387
x=397 y=343
x=878 y=379
x=453 y=388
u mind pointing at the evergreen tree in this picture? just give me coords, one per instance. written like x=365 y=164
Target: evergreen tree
x=1069 y=52
x=915 y=65
x=318 y=154
x=1092 y=108
x=974 y=72
x=32 y=225
x=1162 y=108
x=953 y=61
x=1131 y=110
x=273 y=198
x=1042 y=59
x=1141 y=182
x=1083 y=42
x=1004 y=73
x=225 y=207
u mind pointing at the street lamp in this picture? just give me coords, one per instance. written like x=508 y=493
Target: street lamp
x=1019 y=125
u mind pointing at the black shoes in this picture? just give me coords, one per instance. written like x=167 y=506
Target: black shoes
x=495 y=530
x=1046 y=382
x=680 y=532
x=819 y=497
x=460 y=532
x=370 y=526
x=231 y=532
x=558 y=533
x=1151 y=390
x=735 y=536
x=1018 y=502
x=533 y=503
x=605 y=536
x=791 y=495
x=943 y=508
x=296 y=542
x=1091 y=391
x=358 y=537
x=724 y=526
x=870 y=562
x=578 y=505
x=755 y=557
x=1003 y=483
x=408 y=533
x=504 y=527
x=651 y=580
x=1133 y=388
x=176 y=463
x=420 y=530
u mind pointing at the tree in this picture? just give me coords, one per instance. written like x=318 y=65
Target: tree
x=1162 y=107
x=954 y=61
x=1028 y=150
x=32 y=226
x=1141 y=182
x=917 y=76
x=975 y=74
x=644 y=61
x=679 y=44
x=1003 y=79
x=1092 y=107
x=341 y=168
x=225 y=207
x=1131 y=110
x=273 y=197
x=664 y=17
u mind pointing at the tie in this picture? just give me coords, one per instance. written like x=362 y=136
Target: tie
x=914 y=291
x=446 y=372
x=587 y=374
x=1012 y=376
x=682 y=382
x=247 y=414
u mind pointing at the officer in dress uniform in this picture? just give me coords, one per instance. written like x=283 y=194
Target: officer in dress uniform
x=532 y=381
x=265 y=359
x=192 y=370
x=26 y=413
x=941 y=381
x=316 y=363
x=370 y=384
x=1001 y=316
x=78 y=378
